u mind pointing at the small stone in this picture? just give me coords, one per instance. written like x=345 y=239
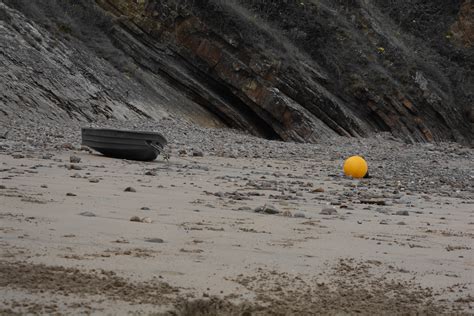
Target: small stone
x=299 y=215
x=70 y=194
x=47 y=156
x=328 y=211
x=74 y=159
x=44 y=186
x=401 y=223
x=135 y=219
x=18 y=156
x=318 y=190
x=130 y=189
x=198 y=153
x=244 y=208
x=155 y=240
x=88 y=214
x=150 y=173
x=147 y=220
x=287 y=214
x=94 y=180
x=182 y=152
x=383 y=222
x=402 y=213
x=74 y=167
x=145 y=208
x=76 y=175
x=267 y=209
x=2 y=187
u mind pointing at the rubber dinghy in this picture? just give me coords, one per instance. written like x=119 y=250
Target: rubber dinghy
x=124 y=144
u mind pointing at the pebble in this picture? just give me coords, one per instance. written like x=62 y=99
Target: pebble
x=383 y=222
x=94 y=180
x=70 y=194
x=130 y=189
x=2 y=187
x=402 y=213
x=44 y=186
x=328 y=211
x=198 y=153
x=74 y=159
x=267 y=209
x=299 y=215
x=88 y=214
x=318 y=190
x=244 y=208
x=145 y=208
x=401 y=223
x=287 y=214
x=150 y=173
x=76 y=175
x=74 y=167
x=155 y=240
x=135 y=219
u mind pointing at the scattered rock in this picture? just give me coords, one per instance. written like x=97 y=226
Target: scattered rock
x=150 y=173
x=287 y=214
x=76 y=175
x=401 y=223
x=198 y=153
x=328 y=211
x=74 y=167
x=402 y=213
x=94 y=180
x=267 y=209
x=383 y=222
x=70 y=194
x=155 y=240
x=145 y=220
x=88 y=214
x=74 y=159
x=130 y=189
x=318 y=190
x=44 y=186
x=244 y=208
x=135 y=219
x=299 y=215
x=2 y=187
x=145 y=208
x=18 y=156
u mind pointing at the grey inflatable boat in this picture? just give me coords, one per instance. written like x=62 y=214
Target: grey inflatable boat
x=124 y=144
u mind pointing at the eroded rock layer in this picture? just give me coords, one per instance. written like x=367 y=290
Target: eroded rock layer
x=291 y=70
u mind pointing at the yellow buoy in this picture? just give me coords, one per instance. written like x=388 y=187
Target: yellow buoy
x=355 y=167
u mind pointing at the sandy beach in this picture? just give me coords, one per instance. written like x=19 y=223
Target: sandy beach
x=222 y=230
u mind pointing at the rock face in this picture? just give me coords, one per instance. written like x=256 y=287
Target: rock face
x=290 y=70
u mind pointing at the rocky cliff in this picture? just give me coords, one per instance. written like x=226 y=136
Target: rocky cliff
x=289 y=70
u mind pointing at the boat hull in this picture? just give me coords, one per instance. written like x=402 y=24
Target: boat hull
x=123 y=144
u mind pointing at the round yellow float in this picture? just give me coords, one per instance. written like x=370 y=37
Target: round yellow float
x=355 y=167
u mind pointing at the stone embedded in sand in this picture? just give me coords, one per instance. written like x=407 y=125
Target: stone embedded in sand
x=318 y=190
x=87 y=214
x=18 y=156
x=299 y=215
x=146 y=220
x=198 y=153
x=328 y=211
x=150 y=173
x=74 y=167
x=145 y=208
x=2 y=187
x=287 y=214
x=130 y=189
x=74 y=159
x=70 y=194
x=155 y=240
x=94 y=180
x=76 y=175
x=267 y=209
x=402 y=213
x=135 y=219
